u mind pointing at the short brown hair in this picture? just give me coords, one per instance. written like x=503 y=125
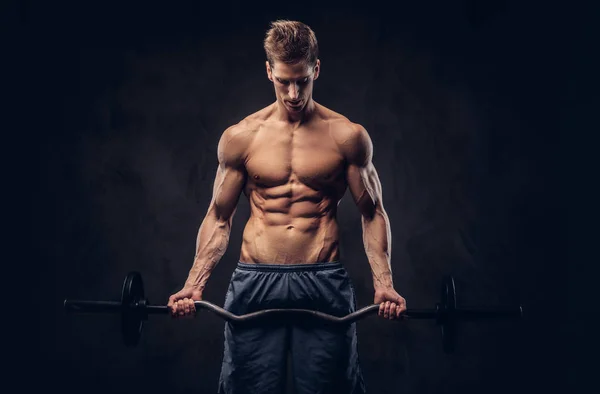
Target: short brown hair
x=291 y=42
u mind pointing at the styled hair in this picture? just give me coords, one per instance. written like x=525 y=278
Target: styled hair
x=291 y=42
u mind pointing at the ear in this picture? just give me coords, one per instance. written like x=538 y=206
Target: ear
x=269 y=71
x=317 y=69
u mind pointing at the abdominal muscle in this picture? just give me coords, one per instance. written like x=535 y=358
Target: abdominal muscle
x=283 y=232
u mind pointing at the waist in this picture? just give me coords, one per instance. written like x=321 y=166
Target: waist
x=286 y=244
x=320 y=266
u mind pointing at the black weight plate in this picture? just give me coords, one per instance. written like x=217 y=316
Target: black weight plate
x=131 y=317
x=448 y=307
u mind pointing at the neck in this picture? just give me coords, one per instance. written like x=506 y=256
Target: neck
x=296 y=118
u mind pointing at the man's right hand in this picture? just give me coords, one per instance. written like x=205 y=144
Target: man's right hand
x=181 y=304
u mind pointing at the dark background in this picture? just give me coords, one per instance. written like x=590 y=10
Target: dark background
x=124 y=105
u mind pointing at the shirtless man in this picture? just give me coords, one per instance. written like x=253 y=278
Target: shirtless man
x=294 y=160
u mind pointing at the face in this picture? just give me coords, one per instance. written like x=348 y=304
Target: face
x=293 y=84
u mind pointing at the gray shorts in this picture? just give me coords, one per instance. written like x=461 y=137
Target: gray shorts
x=324 y=357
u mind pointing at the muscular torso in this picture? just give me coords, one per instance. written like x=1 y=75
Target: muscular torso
x=295 y=177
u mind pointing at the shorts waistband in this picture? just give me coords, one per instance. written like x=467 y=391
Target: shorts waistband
x=290 y=267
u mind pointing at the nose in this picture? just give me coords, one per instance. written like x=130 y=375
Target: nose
x=294 y=91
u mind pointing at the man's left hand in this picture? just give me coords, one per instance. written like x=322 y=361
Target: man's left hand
x=391 y=304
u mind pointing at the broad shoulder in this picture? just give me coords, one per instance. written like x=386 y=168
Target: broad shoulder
x=235 y=140
x=352 y=138
x=234 y=143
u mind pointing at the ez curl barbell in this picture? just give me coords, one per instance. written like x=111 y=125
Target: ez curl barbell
x=134 y=310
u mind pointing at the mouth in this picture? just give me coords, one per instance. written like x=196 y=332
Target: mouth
x=294 y=105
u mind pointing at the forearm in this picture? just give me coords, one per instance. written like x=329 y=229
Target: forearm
x=211 y=244
x=377 y=240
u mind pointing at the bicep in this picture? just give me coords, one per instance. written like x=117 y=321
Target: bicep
x=231 y=174
x=229 y=182
x=365 y=187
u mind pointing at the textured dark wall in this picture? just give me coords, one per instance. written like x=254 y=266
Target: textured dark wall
x=128 y=107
